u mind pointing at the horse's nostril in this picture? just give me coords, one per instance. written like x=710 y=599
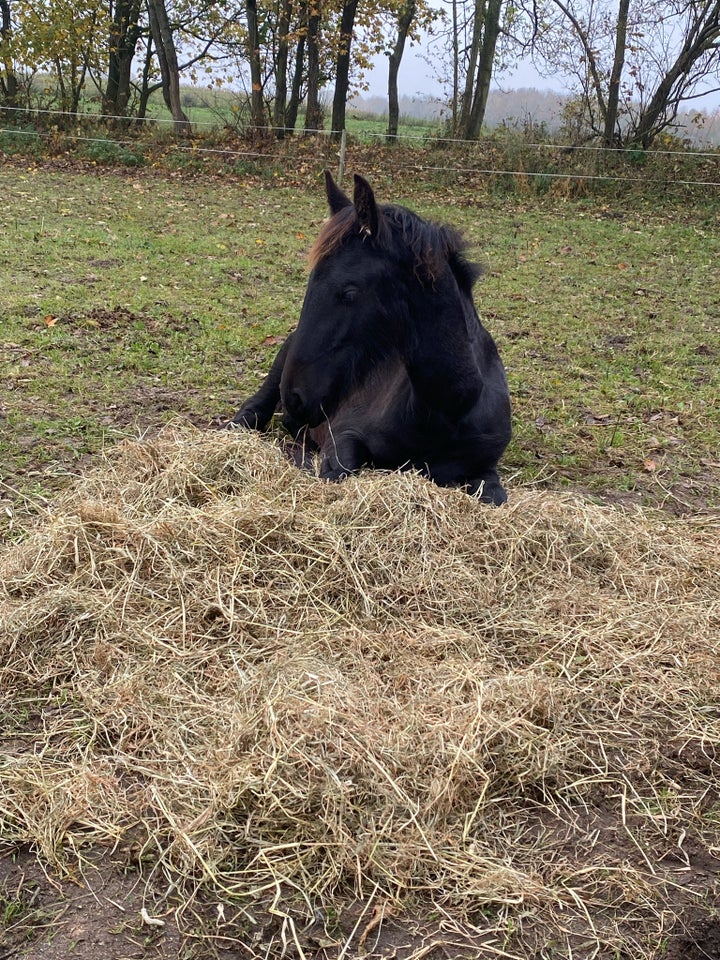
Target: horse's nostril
x=293 y=403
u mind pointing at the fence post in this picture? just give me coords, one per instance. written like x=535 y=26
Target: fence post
x=341 y=168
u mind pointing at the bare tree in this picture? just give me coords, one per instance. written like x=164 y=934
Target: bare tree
x=405 y=19
x=167 y=58
x=610 y=131
x=634 y=64
x=257 y=106
x=481 y=60
x=342 y=66
x=697 y=57
x=471 y=42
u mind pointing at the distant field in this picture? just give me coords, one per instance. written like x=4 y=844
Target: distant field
x=210 y=110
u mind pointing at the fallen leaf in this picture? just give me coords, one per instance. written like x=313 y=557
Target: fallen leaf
x=598 y=419
x=50 y=320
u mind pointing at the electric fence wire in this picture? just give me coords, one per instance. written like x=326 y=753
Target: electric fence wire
x=429 y=137
x=400 y=165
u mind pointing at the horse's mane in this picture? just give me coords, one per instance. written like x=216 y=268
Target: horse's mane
x=403 y=235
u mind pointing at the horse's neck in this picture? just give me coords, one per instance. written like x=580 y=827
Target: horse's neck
x=441 y=361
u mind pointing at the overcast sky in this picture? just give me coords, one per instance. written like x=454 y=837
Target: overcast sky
x=417 y=78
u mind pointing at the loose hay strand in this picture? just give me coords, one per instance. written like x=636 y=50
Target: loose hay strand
x=305 y=693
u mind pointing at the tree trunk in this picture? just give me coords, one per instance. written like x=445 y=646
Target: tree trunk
x=649 y=122
x=257 y=107
x=78 y=82
x=8 y=80
x=405 y=19
x=342 y=67
x=473 y=56
x=145 y=88
x=491 y=32
x=456 y=68
x=280 y=105
x=167 y=58
x=62 y=89
x=296 y=90
x=613 y=100
x=123 y=41
x=313 y=115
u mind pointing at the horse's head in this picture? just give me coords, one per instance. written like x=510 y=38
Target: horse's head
x=354 y=311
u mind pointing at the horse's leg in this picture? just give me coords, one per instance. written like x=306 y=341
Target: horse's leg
x=342 y=454
x=259 y=408
x=488 y=485
x=485 y=482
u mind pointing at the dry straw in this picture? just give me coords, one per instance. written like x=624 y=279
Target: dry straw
x=277 y=691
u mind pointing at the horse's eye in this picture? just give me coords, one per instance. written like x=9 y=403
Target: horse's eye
x=349 y=295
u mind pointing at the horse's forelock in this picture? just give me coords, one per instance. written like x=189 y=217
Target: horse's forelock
x=432 y=247
x=331 y=236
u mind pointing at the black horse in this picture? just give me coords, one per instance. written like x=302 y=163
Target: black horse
x=389 y=365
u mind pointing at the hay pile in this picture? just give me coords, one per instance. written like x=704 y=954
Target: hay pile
x=274 y=689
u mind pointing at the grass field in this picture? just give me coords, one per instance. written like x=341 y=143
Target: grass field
x=247 y=714
x=130 y=298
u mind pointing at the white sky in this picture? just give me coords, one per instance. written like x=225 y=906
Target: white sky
x=417 y=78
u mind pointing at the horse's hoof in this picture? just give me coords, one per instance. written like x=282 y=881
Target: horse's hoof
x=495 y=496
x=490 y=492
x=334 y=474
x=247 y=420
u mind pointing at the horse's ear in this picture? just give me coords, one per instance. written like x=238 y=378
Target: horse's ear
x=365 y=206
x=336 y=198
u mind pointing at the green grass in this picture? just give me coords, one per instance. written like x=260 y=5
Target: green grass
x=131 y=297
x=213 y=109
x=374 y=126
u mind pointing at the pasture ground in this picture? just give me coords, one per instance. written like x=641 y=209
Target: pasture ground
x=131 y=297
x=516 y=710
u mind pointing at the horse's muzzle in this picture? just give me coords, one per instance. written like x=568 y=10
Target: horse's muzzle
x=299 y=412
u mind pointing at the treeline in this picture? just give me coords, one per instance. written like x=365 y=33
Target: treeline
x=630 y=65
x=537 y=113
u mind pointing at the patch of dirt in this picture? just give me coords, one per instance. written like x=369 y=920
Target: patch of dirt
x=108 y=912
x=120 y=317
x=699 y=941
x=94 y=916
